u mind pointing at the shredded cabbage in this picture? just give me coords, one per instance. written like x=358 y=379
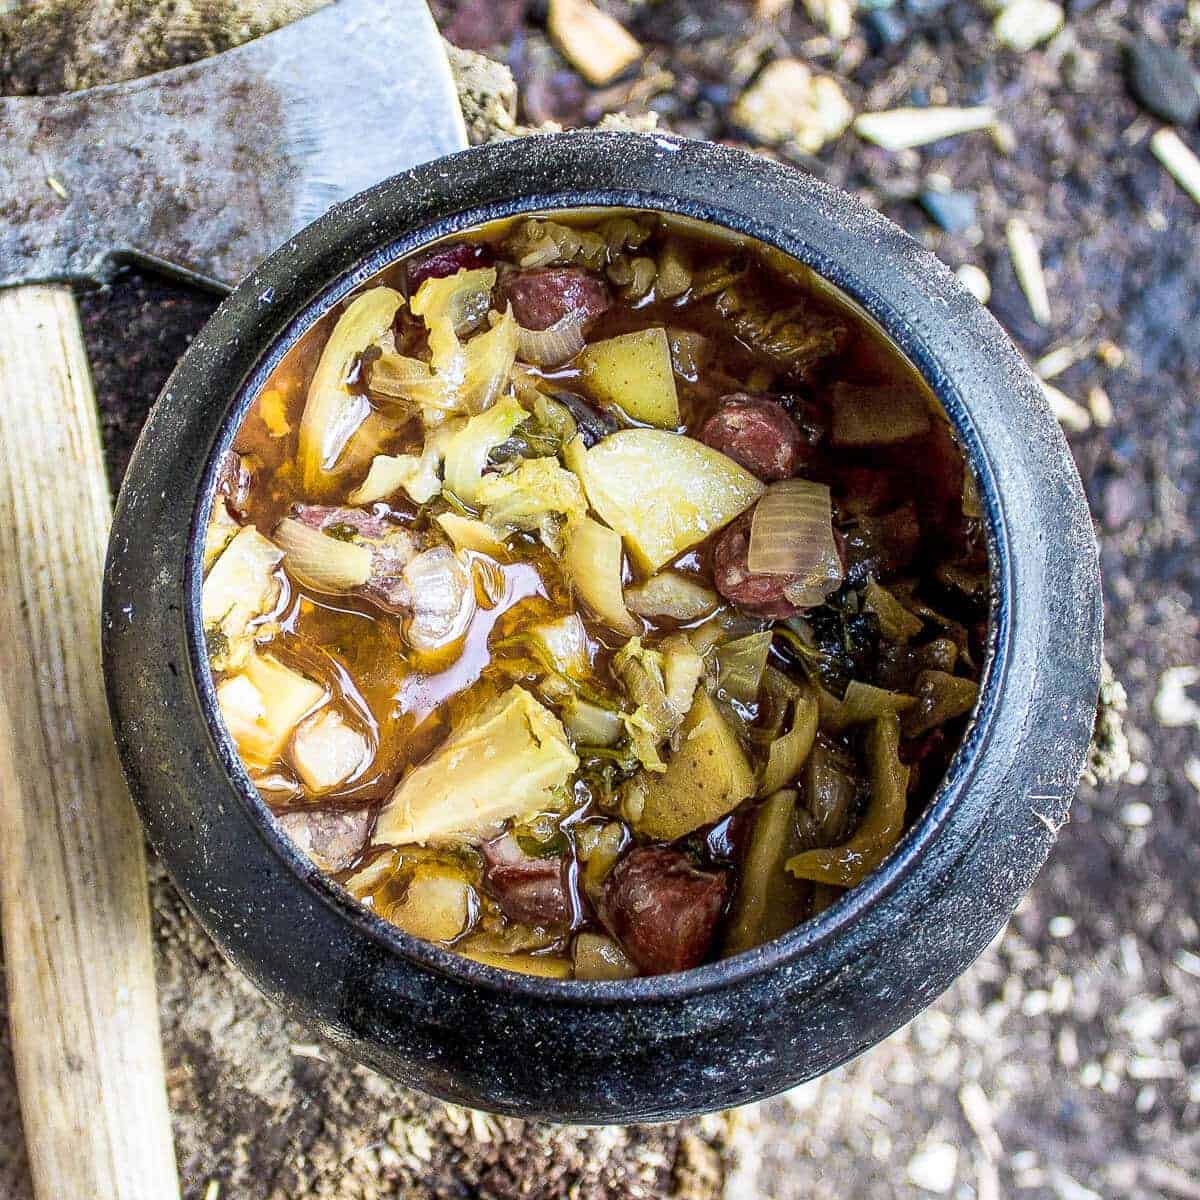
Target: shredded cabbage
x=539 y=496
x=467 y=451
x=332 y=413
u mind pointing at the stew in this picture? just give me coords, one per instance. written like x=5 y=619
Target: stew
x=596 y=595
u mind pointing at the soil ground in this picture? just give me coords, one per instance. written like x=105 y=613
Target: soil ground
x=1065 y=1065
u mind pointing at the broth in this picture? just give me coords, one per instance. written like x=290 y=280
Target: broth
x=480 y=609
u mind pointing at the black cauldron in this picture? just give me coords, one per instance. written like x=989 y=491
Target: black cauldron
x=651 y=1048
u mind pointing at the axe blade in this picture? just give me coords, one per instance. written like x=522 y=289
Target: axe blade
x=207 y=168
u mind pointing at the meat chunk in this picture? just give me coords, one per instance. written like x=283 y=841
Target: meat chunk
x=544 y=295
x=440 y=261
x=392 y=548
x=332 y=838
x=880 y=546
x=663 y=909
x=234 y=477
x=441 y=597
x=762 y=595
x=756 y=432
x=528 y=889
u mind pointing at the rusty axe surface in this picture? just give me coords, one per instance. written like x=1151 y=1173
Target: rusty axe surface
x=205 y=169
x=209 y=167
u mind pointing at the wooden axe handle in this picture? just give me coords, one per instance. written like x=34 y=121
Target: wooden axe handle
x=76 y=919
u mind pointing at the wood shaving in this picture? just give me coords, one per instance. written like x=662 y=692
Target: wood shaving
x=599 y=47
x=905 y=128
x=1170 y=150
x=1027 y=264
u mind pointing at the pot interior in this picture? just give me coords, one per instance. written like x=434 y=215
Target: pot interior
x=290 y=361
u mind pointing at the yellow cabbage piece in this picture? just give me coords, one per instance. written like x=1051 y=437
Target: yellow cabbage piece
x=593 y=561
x=332 y=413
x=468 y=534
x=508 y=760
x=467 y=451
x=241 y=586
x=523 y=499
x=662 y=492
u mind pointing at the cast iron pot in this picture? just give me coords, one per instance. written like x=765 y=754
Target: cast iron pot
x=644 y=1049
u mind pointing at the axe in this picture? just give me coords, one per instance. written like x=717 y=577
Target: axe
x=202 y=171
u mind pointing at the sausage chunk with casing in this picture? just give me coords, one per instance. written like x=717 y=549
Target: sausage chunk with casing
x=762 y=595
x=663 y=909
x=757 y=433
x=544 y=295
x=528 y=889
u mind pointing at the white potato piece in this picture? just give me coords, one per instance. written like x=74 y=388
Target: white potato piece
x=600 y=957
x=436 y=904
x=634 y=372
x=326 y=751
x=263 y=705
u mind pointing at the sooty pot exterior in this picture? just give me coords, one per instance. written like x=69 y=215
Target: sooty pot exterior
x=644 y=1049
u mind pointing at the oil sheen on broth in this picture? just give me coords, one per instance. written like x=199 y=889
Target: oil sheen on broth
x=595 y=595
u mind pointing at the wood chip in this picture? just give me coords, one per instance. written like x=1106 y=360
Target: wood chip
x=1100 y=407
x=1170 y=150
x=787 y=103
x=595 y=44
x=771 y=10
x=56 y=187
x=904 y=128
x=975 y=280
x=1023 y=24
x=1072 y=416
x=1027 y=264
x=213 y=1190
x=836 y=17
x=1051 y=365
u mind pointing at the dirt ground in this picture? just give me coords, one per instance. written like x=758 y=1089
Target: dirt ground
x=1065 y=1065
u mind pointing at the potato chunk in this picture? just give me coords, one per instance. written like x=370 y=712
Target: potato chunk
x=436 y=905
x=633 y=371
x=263 y=704
x=706 y=778
x=663 y=492
x=326 y=751
x=507 y=760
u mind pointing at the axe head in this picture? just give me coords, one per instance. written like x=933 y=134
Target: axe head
x=207 y=168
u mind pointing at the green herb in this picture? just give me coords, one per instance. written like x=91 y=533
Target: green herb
x=217 y=645
x=341 y=531
x=555 y=846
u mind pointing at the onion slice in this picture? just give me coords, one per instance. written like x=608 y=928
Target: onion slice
x=791 y=534
x=320 y=561
x=554 y=345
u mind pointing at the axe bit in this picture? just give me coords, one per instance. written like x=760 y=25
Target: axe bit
x=205 y=169
x=202 y=170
